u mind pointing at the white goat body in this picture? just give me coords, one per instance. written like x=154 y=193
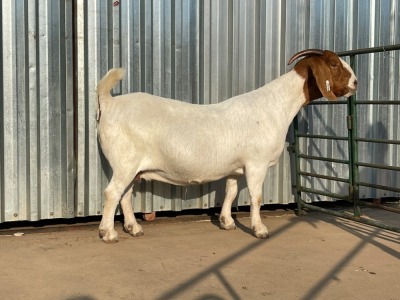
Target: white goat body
x=180 y=143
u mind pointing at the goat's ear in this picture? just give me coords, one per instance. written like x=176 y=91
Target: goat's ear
x=323 y=78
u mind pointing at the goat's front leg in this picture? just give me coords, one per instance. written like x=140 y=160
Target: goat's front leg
x=113 y=192
x=130 y=224
x=225 y=219
x=254 y=183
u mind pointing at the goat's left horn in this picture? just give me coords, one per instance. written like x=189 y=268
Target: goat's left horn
x=304 y=53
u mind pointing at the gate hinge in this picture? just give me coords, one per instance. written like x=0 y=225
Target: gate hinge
x=292 y=148
x=351 y=193
x=350 y=122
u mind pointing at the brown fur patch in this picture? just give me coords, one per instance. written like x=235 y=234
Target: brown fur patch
x=316 y=70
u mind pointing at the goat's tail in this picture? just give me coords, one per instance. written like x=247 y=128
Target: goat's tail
x=108 y=81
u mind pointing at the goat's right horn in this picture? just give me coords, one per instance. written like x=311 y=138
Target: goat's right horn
x=304 y=53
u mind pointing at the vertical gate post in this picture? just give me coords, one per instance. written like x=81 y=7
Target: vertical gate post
x=296 y=150
x=353 y=148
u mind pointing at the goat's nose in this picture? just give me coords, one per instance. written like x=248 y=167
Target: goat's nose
x=355 y=82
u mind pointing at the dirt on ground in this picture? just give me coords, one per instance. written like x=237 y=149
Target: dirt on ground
x=315 y=256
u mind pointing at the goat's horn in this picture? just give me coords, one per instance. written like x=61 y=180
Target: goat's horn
x=304 y=53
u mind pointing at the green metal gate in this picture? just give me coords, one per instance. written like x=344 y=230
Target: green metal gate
x=353 y=140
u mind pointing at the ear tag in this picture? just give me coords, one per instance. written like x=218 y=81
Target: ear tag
x=98 y=110
x=328 y=86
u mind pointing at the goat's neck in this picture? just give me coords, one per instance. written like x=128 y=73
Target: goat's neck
x=285 y=95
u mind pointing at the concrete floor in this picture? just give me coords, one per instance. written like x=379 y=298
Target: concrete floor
x=310 y=257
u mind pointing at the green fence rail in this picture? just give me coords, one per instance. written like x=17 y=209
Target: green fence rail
x=353 y=162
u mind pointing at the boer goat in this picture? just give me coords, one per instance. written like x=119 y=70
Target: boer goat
x=154 y=138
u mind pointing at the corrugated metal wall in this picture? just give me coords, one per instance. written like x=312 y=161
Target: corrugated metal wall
x=36 y=128
x=196 y=51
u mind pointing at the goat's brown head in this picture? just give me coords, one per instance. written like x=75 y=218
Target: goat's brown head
x=325 y=75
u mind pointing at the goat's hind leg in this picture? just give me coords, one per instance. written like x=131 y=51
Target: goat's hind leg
x=115 y=190
x=225 y=219
x=130 y=224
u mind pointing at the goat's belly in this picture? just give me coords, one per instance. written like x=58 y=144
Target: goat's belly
x=179 y=179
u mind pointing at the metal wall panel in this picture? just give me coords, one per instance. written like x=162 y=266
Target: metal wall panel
x=36 y=127
x=195 y=51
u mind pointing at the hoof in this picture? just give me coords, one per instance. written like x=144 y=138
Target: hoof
x=261 y=232
x=227 y=227
x=108 y=237
x=262 y=235
x=110 y=241
x=137 y=234
x=227 y=224
x=134 y=230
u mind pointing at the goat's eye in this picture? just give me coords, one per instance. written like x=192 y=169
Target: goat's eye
x=334 y=66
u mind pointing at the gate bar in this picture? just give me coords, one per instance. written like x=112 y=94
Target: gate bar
x=376 y=166
x=323 y=193
x=320 y=136
x=302 y=173
x=379 y=187
x=392 y=209
x=377 y=102
x=335 y=160
x=369 y=50
x=395 y=142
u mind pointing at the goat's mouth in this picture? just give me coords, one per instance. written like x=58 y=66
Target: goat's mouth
x=350 y=92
